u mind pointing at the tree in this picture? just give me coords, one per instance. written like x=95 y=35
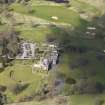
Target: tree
x=99 y=102
x=18 y=88
x=3 y=99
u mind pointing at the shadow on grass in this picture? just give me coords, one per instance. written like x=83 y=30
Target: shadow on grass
x=76 y=45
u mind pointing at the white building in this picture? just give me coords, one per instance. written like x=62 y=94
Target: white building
x=27 y=50
x=46 y=63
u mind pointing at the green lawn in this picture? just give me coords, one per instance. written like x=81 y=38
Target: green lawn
x=22 y=72
x=85 y=99
x=46 y=12
x=36 y=34
x=3 y=28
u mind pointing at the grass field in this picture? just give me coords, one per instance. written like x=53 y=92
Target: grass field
x=39 y=35
x=22 y=72
x=85 y=99
x=46 y=12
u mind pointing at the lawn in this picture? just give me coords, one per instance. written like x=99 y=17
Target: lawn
x=22 y=72
x=36 y=34
x=46 y=12
x=85 y=99
x=3 y=28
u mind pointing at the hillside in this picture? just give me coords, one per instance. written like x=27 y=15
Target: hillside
x=97 y=3
x=100 y=4
x=73 y=32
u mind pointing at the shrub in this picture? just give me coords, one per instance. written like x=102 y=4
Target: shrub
x=101 y=57
x=50 y=38
x=2 y=88
x=76 y=49
x=85 y=86
x=99 y=102
x=79 y=62
x=70 y=80
x=17 y=88
x=100 y=87
x=26 y=98
x=3 y=99
x=31 y=11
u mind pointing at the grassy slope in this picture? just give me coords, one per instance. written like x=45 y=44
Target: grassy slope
x=85 y=7
x=23 y=73
x=83 y=71
x=100 y=4
x=38 y=36
x=46 y=12
x=85 y=99
x=79 y=73
x=66 y=16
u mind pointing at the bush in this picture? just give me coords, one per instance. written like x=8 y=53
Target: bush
x=70 y=80
x=50 y=38
x=26 y=98
x=34 y=25
x=31 y=11
x=76 y=49
x=59 y=1
x=61 y=75
x=2 y=88
x=92 y=72
x=99 y=102
x=17 y=88
x=100 y=87
x=85 y=86
x=101 y=57
x=79 y=62
x=3 y=99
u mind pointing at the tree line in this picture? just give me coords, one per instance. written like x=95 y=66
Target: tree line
x=9 y=47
